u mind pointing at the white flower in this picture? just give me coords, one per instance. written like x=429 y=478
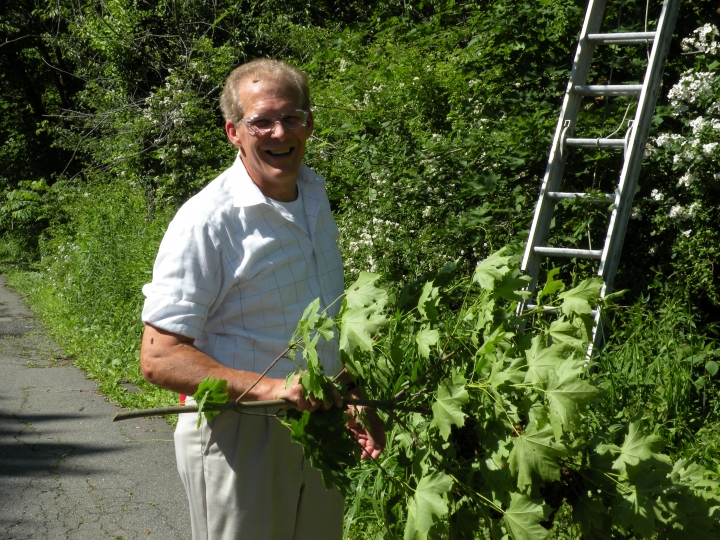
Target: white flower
x=656 y=195
x=709 y=148
x=686 y=234
x=682 y=212
x=676 y=211
x=686 y=179
x=692 y=87
x=703 y=41
x=667 y=139
x=697 y=124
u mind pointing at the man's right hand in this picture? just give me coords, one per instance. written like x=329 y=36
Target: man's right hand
x=294 y=394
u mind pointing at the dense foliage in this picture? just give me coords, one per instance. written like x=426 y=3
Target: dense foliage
x=433 y=121
x=514 y=423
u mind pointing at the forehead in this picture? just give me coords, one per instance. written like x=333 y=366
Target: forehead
x=257 y=94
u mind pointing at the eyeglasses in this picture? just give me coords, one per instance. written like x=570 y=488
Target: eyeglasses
x=262 y=125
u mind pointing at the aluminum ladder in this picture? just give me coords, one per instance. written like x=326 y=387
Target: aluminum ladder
x=633 y=145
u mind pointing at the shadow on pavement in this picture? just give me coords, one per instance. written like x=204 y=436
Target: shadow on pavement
x=38 y=451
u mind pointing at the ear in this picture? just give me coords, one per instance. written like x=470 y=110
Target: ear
x=310 y=124
x=233 y=136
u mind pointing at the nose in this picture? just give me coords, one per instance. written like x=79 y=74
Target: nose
x=276 y=124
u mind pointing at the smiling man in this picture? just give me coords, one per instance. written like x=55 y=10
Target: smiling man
x=237 y=267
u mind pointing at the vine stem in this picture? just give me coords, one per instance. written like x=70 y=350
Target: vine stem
x=253 y=385
x=242 y=407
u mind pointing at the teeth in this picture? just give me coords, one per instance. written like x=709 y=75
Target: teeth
x=279 y=152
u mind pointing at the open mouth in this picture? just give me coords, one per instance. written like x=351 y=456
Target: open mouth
x=280 y=153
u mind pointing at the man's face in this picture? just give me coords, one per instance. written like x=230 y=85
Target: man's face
x=272 y=160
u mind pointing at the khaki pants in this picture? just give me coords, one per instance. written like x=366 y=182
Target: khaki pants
x=246 y=480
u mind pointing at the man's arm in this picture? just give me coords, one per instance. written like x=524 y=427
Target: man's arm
x=173 y=362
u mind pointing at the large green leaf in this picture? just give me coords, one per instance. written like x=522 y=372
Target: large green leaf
x=523 y=518
x=542 y=360
x=512 y=287
x=363 y=292
x=641 y=502
x=552 y=285
x=428 y=504
x=704 y=525
x=429 y=299
x=425 y=339
x=564 y=332
x=447 y=409
x=362 y=314
x=567 y=394
x=578 y=300
x=491 y=339
x=492 y=270
x=358 y=326
x=590 y=513
x=636 y=447
x=535 y=452
x=210 y=391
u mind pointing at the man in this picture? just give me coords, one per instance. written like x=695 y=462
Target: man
x=238 y=265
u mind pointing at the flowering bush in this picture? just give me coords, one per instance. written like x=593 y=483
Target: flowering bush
x=684 y=165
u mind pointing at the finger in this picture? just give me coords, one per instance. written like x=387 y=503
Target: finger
x=314 y=403
x=302 y=404
x=337 y=398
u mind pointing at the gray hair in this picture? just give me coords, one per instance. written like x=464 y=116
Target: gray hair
x=275 y=70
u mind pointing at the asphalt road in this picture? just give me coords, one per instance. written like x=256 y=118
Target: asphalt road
x=66 y=471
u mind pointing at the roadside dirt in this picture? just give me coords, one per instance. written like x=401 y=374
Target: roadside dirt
x=66 y=471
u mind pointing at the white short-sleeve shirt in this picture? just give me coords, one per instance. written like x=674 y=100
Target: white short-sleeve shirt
x=235 y=273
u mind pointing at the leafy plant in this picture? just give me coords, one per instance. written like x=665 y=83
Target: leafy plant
x=507 y=435
x=210 y=391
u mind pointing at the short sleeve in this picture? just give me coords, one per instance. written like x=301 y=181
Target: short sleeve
x=186 y=279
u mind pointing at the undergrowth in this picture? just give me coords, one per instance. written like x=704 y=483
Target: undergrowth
x=87 y=289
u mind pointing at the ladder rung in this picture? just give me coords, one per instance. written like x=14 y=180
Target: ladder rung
x=621 y=38
x=559 y=195
x=568 y=253
x=549 y=309
x=595 y=143
x=608 y=89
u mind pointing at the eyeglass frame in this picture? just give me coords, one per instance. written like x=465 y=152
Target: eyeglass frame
x=254 y=131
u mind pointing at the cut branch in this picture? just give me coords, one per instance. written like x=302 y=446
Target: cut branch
x=388 y=405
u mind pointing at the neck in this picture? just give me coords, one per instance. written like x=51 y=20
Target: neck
x=281 y=190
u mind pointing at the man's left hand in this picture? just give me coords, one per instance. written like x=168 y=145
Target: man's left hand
x=369 y=430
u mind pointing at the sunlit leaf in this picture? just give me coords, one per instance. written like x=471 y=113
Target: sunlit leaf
x=523 y=518
x=425 y=339
x=427 y=505
x=535 y=452
x=447 y=409
x=579 y=299
x=491 y=270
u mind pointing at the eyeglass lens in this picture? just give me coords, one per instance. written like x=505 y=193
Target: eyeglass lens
x=289 y=120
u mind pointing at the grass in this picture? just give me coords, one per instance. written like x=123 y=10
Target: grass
x=658 y=366
x=86 y=288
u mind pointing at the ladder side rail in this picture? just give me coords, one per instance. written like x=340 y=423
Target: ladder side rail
x=556 y=162
x=634 y=155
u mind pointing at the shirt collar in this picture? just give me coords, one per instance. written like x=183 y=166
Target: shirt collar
x=245 y=193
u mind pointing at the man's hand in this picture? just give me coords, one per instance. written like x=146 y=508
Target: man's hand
x=294 y=394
